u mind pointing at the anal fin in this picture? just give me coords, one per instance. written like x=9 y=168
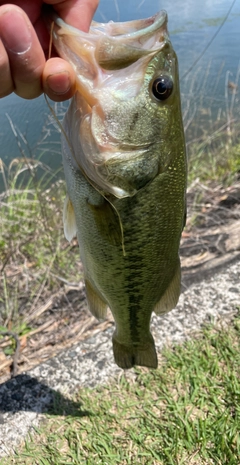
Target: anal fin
x=97 y=305
x=170 y=297
x=127 y=356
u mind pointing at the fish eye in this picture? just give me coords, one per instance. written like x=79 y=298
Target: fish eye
x=162 y=87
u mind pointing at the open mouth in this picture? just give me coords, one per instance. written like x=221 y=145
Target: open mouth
x=129 y=31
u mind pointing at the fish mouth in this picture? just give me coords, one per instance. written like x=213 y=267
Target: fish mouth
x=108 y=49
x=124 y=43
x=136 y=32
x=141 y=33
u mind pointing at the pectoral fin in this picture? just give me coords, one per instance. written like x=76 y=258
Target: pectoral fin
x=69 y=220
x=97 y=305
x=170 y=298
x=107 y=222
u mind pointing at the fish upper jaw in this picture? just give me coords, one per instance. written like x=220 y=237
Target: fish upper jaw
x=111 y=56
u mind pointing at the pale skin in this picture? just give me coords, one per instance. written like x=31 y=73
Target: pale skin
x=24 y=46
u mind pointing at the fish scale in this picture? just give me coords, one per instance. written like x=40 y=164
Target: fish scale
x=125 y=168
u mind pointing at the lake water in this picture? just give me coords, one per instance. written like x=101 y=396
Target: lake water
x=192 y=25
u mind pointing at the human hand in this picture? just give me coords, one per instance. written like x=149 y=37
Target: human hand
x=24 y=47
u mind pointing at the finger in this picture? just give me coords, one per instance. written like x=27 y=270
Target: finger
x=26 y=57
x=6 y=83
x=31 y=7
x=78 y=13
x=58 y=79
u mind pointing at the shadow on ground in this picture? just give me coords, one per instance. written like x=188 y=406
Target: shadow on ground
x=197 y=272
x=24 y=393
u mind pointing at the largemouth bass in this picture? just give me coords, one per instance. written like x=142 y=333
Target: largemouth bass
x=125 y=167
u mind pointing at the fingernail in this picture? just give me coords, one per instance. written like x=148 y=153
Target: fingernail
x=59 y=83
x=15 y=32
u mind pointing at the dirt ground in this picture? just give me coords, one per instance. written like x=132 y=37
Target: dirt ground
x=210 y=241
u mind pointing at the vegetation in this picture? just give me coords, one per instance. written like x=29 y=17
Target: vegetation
x=35 y=258
x=186 y=412
x=212 y=126
x=215 y=157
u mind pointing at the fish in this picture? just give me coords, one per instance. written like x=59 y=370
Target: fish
x=125 y=167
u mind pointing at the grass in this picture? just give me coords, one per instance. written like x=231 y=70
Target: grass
x=185 y=412
x=211 y=121
x=215 y=157
x=34 y=255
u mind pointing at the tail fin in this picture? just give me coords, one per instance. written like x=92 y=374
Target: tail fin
x=126 y=356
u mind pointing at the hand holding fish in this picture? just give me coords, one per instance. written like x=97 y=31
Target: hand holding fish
x=24 y=47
